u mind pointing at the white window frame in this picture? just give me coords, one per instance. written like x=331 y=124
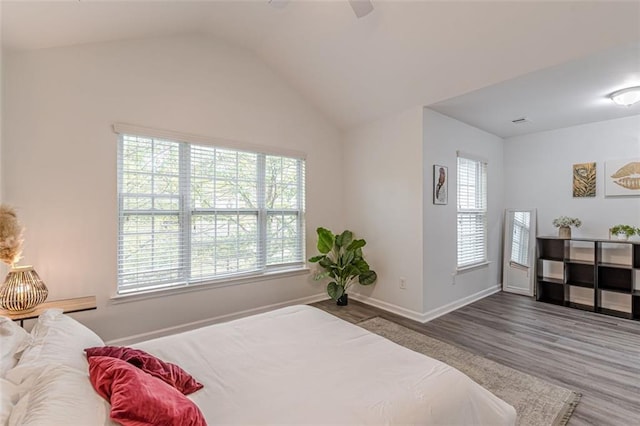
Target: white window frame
x=465 y=211
x=186 y=212
x=520 y=239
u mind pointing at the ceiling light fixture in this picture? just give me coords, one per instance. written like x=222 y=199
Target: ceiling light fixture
x=626 y=97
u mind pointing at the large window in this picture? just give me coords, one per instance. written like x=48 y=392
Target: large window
x=472 y=211
x=196 y=213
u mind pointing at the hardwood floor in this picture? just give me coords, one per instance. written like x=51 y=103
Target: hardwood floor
x=593 y=354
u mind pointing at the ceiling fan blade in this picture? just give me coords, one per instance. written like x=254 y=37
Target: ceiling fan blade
x=361 y=7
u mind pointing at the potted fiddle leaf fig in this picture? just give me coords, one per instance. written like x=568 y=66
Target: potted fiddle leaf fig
x=341 y=261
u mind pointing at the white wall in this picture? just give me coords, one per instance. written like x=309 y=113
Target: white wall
x=539 y=173
x=383 y=204
x=443 y=137
x=59 y=160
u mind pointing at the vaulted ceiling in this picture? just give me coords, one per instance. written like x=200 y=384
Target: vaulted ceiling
x=403 y=54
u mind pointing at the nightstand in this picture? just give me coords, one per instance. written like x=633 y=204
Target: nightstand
x=76 y=304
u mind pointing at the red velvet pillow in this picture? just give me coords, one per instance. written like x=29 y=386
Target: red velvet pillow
x=139 y=399
x=165 y=371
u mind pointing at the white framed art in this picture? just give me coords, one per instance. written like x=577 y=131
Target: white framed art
x=622 y=178
x=440 y=184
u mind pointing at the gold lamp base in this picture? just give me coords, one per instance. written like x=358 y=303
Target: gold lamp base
x=22 y=290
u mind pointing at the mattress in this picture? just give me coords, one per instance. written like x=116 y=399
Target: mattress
x=301 y=365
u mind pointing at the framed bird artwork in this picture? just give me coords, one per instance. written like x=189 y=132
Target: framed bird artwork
x=440 y=184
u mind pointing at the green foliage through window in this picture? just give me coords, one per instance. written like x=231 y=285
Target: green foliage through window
x=191 y=213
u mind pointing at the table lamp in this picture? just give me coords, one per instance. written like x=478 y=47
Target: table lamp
x=23 y=289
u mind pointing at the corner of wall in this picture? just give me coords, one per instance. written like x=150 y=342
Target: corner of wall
x=444 y=286
x=383 y=200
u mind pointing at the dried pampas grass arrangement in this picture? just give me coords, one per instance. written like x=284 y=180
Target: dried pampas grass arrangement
x=11 y=238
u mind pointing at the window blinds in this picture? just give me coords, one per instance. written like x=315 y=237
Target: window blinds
x=193 y=213
x=472 y=211
x=520 y=238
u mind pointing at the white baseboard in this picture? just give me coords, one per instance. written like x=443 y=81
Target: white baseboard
x=390 y=307
x=208 y=321
x=457 y=304
x=427 y=316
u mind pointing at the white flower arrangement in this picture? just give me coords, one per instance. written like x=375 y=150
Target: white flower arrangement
x=564 y=221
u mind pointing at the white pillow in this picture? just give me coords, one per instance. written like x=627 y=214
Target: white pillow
x=13 y=339
x=8 y=397
x=61 y=396
x=57 y=339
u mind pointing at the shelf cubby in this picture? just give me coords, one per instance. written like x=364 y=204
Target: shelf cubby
x=615 y=253
x=551 y=270
x=581 y=252
x=580 y=274
x=551 y=292
x=581 y=297
x=636 y=307
x=551 y=249
x=617 y=279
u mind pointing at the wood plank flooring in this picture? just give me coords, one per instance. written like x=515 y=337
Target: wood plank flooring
x=594 y=354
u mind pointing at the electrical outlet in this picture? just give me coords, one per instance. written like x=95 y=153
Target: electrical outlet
x=453 y=278
x=403 y=283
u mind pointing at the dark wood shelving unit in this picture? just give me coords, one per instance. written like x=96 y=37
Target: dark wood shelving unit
x=591 y=280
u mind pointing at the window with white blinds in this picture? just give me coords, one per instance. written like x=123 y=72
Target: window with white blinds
x=472 y=211
x=520 y=238
x=195 y=213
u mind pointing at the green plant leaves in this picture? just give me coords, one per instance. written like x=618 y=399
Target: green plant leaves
x=627 y=230
x=368 y=277
x=346 y=258
x=356 y=244
x=322 y=275
x=327 y=263
x=362 y=265
x=344 y=239
x=326 y=240
x=334 y=290
x=342 y=260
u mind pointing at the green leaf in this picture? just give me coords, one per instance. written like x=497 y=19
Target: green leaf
x=368 y=277
x=362 y=265
x=321 y=275
x=325 y=240
x=356 y=244
x=315 y=259
x=326 y=263
x=344 y=239
x=334 y=290
x=347 y=257
x=351 y=271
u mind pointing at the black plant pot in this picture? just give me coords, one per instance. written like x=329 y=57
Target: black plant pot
x=343 y=300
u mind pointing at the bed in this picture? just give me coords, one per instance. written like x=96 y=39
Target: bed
x=301 y=365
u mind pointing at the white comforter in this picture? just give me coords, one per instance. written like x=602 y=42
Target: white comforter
x=300 y=365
